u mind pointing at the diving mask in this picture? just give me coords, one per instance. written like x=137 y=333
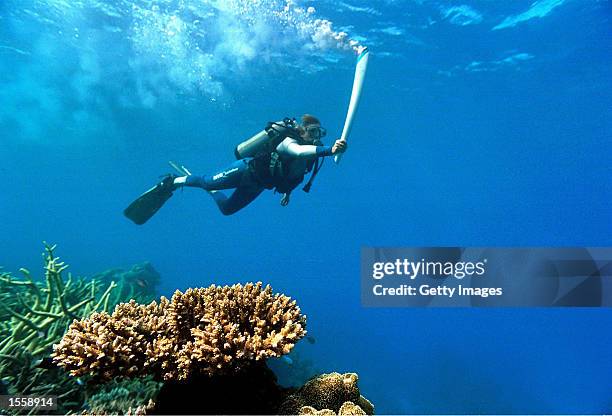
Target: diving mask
x=316 y=132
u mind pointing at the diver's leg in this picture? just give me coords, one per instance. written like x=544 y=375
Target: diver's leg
x=230 y=177
x=240 y=198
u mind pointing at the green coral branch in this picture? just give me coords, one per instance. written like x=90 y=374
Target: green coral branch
x=32 y=285
x=4 y=342
x=9 y=357
x=21 y=318
x=7 y=278
x=33 y=310
x=33 y=382
x=104 y=297
x=82 y=303
x=67 y=312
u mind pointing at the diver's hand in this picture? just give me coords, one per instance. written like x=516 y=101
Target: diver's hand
x=285 y=199
x=339 y=146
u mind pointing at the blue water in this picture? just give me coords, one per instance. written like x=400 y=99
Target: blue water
x=481 y=124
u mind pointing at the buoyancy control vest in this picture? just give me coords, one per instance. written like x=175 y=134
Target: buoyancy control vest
x=266 y=163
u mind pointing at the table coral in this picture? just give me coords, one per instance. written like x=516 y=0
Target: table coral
x=214 y=330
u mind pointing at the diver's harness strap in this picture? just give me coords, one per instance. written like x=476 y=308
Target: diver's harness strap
x=272 y=128
x=275 y=164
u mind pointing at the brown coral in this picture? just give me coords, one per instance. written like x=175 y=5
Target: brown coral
x=327 y=391
x=236 y=325
x=350 y=408
x=347 y=409
x=210 y=330
x=106 y=345
x=309 y=410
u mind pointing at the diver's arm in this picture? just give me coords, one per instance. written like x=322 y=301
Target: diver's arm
x=290 y=147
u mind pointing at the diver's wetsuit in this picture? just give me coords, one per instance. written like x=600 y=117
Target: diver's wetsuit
x=249 y=180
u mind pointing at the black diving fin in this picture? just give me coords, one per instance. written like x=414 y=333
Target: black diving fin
x=147 y=204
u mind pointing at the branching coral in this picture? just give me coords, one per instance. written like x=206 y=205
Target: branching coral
x=106 y=345
x=327 y=391
x=123 y=397
x=35 y=314
x=23 y=374
x=213 y=331
x=237 y=325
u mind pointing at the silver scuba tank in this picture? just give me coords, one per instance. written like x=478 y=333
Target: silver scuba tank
x=263 y=141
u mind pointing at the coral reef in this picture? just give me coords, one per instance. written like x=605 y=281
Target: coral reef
x=202 y=351
x=211 y=331
x=35 y=314
x=347 y=408
x=122 y=344
x=350 y=408
x=26 y=374
x=128 y=396
x=309 y=410
x=238 y=324
x=138 y=283
x=327 y=391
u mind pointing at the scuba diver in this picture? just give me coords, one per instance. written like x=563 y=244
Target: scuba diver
x=276 y=158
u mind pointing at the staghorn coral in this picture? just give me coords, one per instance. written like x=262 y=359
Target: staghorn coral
x=35 y=314
x=130 y=396
x=327 y=391
x=140 y=410
x=26 y=374
x=212 y=331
